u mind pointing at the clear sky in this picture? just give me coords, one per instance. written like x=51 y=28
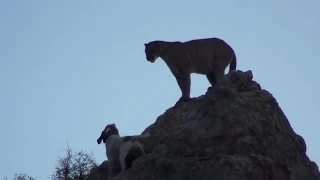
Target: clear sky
x=68 y=68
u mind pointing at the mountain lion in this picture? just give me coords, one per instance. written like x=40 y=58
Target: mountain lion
x=208 y=56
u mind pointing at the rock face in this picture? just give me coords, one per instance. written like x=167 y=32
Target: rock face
x=236 y=131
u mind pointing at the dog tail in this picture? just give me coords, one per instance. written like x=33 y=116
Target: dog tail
x=142 y=135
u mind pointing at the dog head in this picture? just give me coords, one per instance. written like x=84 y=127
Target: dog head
x=109 y=130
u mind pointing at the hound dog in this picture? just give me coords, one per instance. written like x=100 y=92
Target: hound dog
x=117 y=147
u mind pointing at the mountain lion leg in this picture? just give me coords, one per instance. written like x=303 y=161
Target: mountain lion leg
x=212 y=79
x=184 y=82
x=215 y=77
x=219 y=73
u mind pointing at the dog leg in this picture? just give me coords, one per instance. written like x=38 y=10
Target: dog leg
x=141 y=147
x=110 y=169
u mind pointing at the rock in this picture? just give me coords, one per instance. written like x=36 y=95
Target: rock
x=236 y=131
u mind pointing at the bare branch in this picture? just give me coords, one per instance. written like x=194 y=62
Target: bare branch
x=74 y=166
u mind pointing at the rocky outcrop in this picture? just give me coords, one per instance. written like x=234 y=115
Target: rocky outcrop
x=236 y=131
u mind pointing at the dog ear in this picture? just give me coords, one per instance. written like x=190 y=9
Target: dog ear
x=99 y=140
x=145 y=44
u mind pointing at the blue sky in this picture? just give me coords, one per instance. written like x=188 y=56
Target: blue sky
x=68 y=68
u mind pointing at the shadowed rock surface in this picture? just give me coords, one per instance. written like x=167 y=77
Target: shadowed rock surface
x=236 y=131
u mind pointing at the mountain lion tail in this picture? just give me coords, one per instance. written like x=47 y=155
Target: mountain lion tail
x=233 y=64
